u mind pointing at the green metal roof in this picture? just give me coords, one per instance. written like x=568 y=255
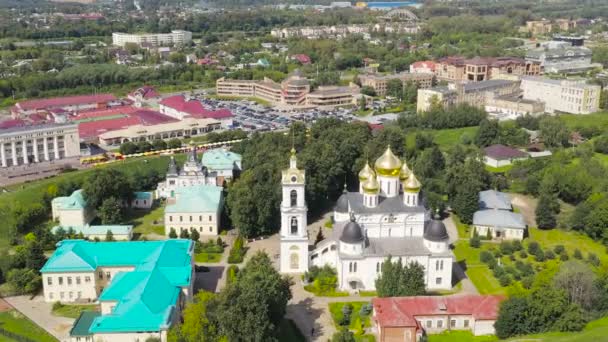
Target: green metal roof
x=147 y=296
x=220 y=159
x=97 y=230
x=196 y=199
x=83 y=323
x=75 y=201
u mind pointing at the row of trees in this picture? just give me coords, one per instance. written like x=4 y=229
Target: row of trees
x=250 y=308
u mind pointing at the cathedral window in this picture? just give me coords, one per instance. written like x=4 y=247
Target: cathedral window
x=355 y=267
x=294 y=226
x=350 y=267
x=294 y=198
x=377 y=267
x=441 y=265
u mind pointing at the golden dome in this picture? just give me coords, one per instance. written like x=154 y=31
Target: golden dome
x=405 y=172
x=412 y=184
x=366 y=172
x=371 y=186
x=388 y=164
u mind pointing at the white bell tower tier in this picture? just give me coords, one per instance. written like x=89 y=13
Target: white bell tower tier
x=294 y=236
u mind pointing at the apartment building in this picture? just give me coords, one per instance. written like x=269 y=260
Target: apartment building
x=141 y=286
x=195 y=207
x=315 y=32
x=539 y=27
x=379 y=82
x=28 y=144
x=476 y=94
x=152 y=39
x=483 y=69
x=567 y=96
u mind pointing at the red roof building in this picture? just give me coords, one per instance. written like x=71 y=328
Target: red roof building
x=406 y=318
x=422 y=67
x=180 y=107
x=68 y=103
x=302 y=58
x=145 y=93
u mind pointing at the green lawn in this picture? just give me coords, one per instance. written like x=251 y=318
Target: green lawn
x=599 y=120
x=446 y=138
x=463 y=228
x=483 y=278
x=73 y=311
x=16 y=323
x=460 y=336
x=151 y=222
x=594 y=331
x=501 y=169
x=208 y=257
x=310 y=288
x=357 y=322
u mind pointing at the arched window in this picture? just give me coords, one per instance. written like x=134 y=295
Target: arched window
x=350 y=267
x=378 y=267
x=293 y=197
x=355 y=267
x=441 y=265
x=294 y=226
x=437 y=265
x=294 y=261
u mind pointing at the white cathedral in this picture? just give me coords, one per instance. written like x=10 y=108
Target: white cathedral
x=385 y=217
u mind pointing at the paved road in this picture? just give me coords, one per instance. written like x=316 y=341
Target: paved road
x=40 y=313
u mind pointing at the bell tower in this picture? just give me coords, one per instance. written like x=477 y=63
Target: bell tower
x=294 y=235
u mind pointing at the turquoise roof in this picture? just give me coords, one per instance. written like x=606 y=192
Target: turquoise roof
x=97 y=230
x=142 y=195
x=83 y=323
x=195 y=199
x=73 y=202
x=220 y=159
x=146 y=297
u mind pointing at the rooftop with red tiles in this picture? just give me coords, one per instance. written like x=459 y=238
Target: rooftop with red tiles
x=402 y=311
x=194 y=108
x=64 y=101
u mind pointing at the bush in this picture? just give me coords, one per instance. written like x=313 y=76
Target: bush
x=366 y=309
x=506 y=248
x=533 y=247
x=516 y=244
x=485 y=257
x=512 y=257
x=498 y=272
x=577 y=254
x=559 y=249
x=550 y=255
x=504 y=280
x=527 y=282
x=593 y=259
x=523 y=254
x=564 y=256
x=237 y=253
x=57 y=305
x=497 y=253
x=539 y=256
x=475 y=241
x=344 y=320
x=233 y=271
x=347 y=309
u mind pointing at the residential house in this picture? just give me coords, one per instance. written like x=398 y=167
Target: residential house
x=496 y=219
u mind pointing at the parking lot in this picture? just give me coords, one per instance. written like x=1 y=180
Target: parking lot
x=253 y=117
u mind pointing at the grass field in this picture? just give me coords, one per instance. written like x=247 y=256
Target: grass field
x=594 y=331
x=599 y=120
x=151 y=222
x=73 y=311
x=16 y=323
x=483 y=278
x=501 y=169
x=448 y=137
x=463 y=229
x=460 y=336
x=357 y=321
x=208 y=257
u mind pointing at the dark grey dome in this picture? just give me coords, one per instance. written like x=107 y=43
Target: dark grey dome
x=352 y=232
x=342 y=204
x=435 y=231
